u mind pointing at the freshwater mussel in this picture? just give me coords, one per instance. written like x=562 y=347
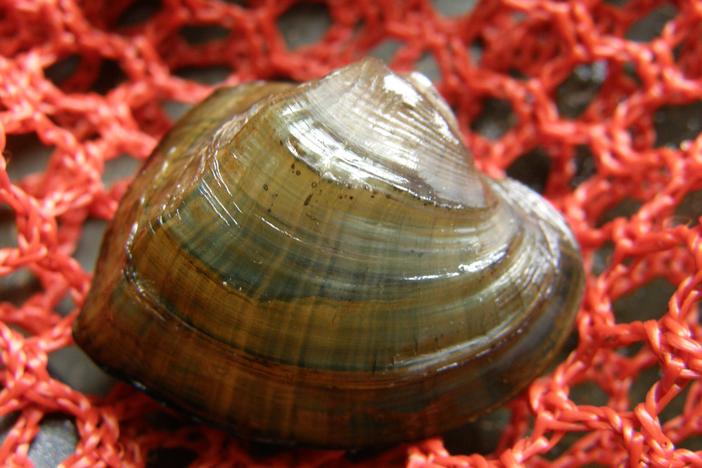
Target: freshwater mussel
x=322 y=264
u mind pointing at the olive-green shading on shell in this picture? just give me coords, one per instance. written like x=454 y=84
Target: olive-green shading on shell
x=323 y=264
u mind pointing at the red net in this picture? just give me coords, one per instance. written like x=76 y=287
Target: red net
x=598 y=95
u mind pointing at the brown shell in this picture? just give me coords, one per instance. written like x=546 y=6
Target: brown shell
x=322 y=264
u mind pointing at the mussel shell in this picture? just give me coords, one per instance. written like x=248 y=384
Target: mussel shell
x=322 y=264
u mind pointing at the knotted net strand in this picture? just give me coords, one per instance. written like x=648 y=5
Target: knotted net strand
x=611 y=153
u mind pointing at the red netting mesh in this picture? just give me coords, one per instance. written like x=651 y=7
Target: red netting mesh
x=609 y=154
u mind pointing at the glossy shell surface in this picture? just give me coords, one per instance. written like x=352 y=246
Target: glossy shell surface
x=322 y=264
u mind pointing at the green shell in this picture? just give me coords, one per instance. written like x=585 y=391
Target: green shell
x=323 y=264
